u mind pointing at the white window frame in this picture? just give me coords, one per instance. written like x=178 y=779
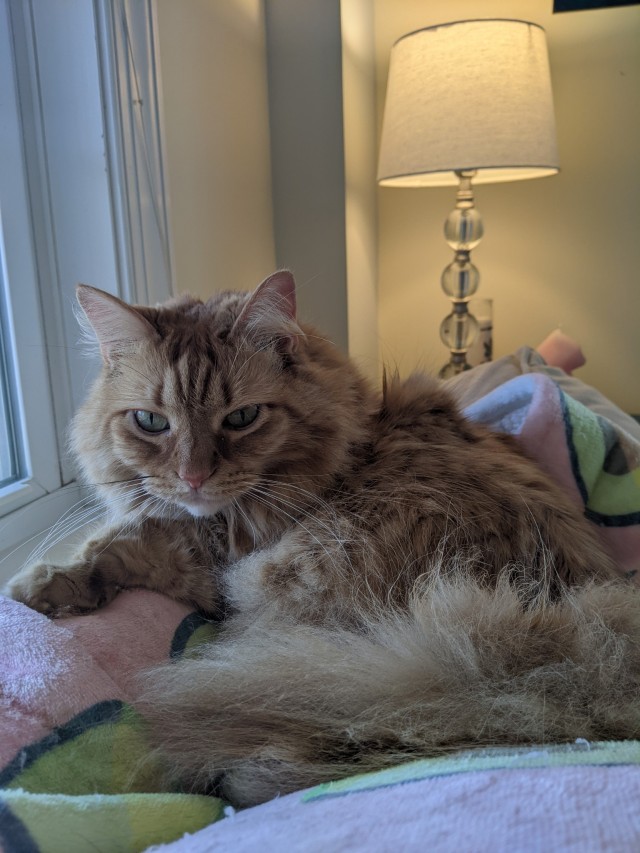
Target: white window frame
x=122 y=244
x=126 y=32
x=32 y=389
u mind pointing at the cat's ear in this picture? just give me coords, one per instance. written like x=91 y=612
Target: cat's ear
x=116 y=325
x=270 y=313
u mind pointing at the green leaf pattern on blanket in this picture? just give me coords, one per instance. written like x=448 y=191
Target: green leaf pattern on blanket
x=102 y=750
x=606 y=466
x=194 y=630
x=57 y=823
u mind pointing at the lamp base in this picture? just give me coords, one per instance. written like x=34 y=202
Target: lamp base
x=463 y=231
x=457 y=364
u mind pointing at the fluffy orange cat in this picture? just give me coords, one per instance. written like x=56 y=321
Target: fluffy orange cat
x=396 y=581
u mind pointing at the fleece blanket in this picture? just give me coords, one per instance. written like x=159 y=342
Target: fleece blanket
x=76 y=772
x=579 y=799
x=596 y=460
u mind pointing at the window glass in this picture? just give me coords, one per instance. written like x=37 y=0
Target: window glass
x=8 y=451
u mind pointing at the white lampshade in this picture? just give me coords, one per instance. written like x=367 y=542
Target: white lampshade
x=470 y=95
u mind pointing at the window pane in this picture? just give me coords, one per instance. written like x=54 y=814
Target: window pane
x=9 y=470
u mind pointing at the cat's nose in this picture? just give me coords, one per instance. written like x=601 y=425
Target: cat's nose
x=194 y=478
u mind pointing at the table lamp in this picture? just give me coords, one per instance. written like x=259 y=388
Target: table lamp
x=467 y=102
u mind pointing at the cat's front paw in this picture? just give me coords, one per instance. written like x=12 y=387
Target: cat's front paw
x=60 y=590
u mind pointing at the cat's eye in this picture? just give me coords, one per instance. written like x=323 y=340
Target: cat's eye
x=150 y=421
x=241 y=418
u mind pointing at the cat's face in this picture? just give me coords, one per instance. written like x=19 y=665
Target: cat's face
x=199 y=429
x=201 y=407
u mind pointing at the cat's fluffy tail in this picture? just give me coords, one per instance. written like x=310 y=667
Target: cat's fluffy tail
x=279 y=708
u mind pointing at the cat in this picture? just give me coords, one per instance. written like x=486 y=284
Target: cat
x=395 y=580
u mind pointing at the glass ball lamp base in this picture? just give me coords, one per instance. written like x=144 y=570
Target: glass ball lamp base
x=457 y=364
x=463 y=231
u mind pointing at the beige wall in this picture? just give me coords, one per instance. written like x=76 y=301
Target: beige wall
x=214 y=99
x=561 y=251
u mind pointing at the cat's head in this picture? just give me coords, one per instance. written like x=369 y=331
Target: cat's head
x=211 y=406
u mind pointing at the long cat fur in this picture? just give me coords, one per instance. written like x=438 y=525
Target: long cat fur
x=396 y=580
